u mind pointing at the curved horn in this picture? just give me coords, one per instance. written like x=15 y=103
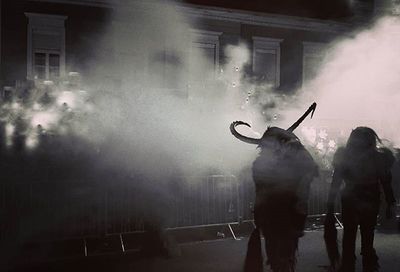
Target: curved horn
x=301 y=119
x=240 y=136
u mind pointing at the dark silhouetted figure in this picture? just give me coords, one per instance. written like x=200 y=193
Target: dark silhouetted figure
x=396 y=180
x=362 y=168
x=282 y=174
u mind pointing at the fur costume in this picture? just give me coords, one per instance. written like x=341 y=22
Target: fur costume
x=363 y=169
x=282 y=174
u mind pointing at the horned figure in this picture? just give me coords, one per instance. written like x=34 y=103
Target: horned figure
x=282 y=174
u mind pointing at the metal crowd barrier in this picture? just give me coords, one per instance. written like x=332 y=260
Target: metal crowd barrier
x=194 y=200
x=319 y=191
x=84 y=209
x=206 y=200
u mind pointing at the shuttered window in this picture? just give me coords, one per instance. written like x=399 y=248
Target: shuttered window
x=46 y=46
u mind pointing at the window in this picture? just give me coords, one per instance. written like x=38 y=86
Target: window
x=46 y=46
x=165 y=71
x=46 y=65
x=203 y=62
x=266 y=60
x=313 y=54
x=208 y=50
x=204 y=54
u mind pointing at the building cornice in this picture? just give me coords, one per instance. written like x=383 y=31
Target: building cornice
x=92 y=3
x=265 y=19
x=233 y=15
x=45 y=16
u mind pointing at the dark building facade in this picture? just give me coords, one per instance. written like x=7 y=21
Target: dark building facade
x=51 y=35
x=43 y=40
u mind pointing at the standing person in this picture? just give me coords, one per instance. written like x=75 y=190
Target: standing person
x=362 y=168
x=282 y=174
x=396 y=179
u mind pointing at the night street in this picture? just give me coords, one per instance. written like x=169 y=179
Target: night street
x=156 y=135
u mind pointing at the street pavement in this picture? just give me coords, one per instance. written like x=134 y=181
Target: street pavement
x=227 y=255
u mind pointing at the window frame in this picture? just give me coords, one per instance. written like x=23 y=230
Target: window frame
x=47 y=63
x=312 y=49
x=47 y=24
x=271 y=46
x=207 y=39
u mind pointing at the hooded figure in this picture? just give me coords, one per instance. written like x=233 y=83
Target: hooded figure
x=362 y=168
x=282 y=174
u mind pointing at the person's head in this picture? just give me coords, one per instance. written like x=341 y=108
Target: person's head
x=275 y=138
x=363 y=138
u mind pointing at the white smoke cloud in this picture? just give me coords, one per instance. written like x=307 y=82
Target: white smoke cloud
x=160 y=104
x=358 y=85
x=155 y=100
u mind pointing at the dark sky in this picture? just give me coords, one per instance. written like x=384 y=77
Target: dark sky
x=324 y=9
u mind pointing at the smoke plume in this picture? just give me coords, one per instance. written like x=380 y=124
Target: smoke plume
x=357 y=84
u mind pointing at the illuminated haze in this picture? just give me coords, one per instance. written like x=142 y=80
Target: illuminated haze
x=164 y=119
x=358 y=85
x=173 y=119
x=143 y=132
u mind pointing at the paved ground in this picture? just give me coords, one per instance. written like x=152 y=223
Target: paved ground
x=227 y=255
